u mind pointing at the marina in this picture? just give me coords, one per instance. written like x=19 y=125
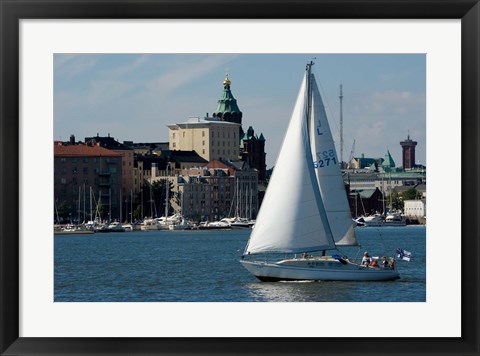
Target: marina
x=203 y=266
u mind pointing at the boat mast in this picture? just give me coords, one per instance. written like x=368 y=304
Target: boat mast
x=341 y=125
x=166 y=193
x=323 y=214
x=131 y=206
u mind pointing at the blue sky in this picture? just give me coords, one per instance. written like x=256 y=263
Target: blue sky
x=134 y=96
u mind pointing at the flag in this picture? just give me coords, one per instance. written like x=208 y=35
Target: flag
x=403 y=254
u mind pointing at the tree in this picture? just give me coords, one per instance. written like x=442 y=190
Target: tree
x=396 y=201
x=410 y=194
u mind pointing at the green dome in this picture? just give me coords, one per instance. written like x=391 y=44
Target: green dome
x=227 y=108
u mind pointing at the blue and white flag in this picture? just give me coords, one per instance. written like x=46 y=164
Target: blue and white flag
x=403 y=254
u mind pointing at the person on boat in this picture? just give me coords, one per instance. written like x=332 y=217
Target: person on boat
x=385 y=262
x=374 y=263
x=392 y=263
x=366 y=259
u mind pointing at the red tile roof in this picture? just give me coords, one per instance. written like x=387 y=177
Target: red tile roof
x=83 y=151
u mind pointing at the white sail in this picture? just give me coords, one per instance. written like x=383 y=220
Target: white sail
x=328 y=172
x=292 y=217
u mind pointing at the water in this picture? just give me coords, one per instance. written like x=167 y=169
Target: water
x=202 y=266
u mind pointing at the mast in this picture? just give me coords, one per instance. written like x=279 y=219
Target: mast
x=341 y=125
x=309 y=90
x=90 y=196
x=323 y=214
x=79 y=202
x=84 y=201
x=166 y=193
x=131 y=206
x=120 y=203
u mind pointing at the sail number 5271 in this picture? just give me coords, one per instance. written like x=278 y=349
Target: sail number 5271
x=325 y=159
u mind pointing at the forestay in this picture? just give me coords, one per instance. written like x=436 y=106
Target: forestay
x=292 y=217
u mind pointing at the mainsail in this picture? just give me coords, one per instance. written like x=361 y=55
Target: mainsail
x=292 y=217
x=328 y=172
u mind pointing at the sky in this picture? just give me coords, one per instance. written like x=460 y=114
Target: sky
x=133 y=97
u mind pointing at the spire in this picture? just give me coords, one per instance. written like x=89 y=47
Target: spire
x=226 y=81
x=388 y=161
x=227 y=108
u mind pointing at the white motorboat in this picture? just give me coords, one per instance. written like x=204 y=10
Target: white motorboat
x=314 y=217
x=112 y=227
x=395 y=219
x=214 y=225
x=183 y=225
x=373 y=220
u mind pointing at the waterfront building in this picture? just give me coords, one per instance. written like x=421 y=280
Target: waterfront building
x=129 y=189
x=210 y=137
x=215 y=191
x=384 y=181
x=415 y=208
x=253 y=152
x=408 y=153
x=87 y=181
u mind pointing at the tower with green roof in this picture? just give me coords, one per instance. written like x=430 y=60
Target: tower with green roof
x=227 y=108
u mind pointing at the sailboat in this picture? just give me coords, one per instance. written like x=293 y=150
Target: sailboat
x=314 y=216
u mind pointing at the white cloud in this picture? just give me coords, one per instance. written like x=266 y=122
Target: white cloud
x=185 y=73
x=68 y=66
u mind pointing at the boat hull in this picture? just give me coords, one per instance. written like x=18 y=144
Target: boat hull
x=317 y=269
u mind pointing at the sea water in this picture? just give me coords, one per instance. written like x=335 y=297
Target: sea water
x=203 y=266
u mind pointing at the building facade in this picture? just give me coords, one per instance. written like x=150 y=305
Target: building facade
x=253 y=152
x=87 y=182
x=415 y=208
x=210 y=138
x=218 y=190
x=129 y=188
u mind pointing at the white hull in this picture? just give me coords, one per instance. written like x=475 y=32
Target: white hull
x=317 y=269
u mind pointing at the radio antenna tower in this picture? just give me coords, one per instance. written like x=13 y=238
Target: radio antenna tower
x=341 y=124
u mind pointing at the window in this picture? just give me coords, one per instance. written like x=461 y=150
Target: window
x=63 y=180
x=203 y=133
x=173 y=135
x=63 y=160
x=203 y=143
x=203 y=151
x=85 y=170
x=85 y=159
x=174 y=145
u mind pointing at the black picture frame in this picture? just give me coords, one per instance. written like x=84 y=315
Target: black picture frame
x=11 y=11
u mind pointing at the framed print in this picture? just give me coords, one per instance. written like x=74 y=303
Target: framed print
x=408 y=72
